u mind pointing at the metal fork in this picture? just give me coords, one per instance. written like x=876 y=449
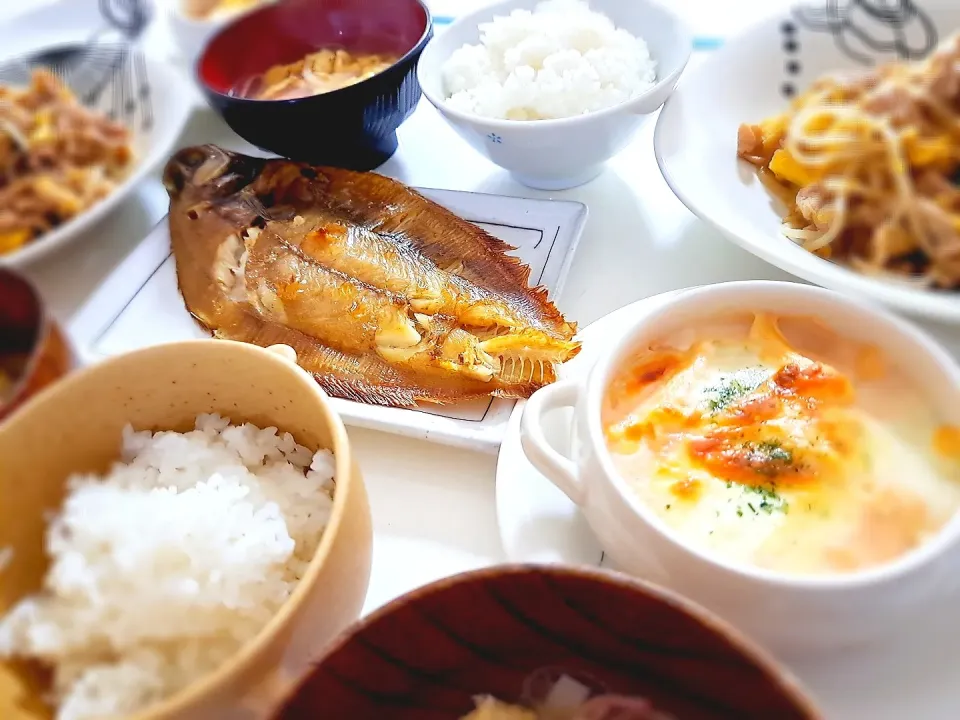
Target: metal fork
x=107 y=61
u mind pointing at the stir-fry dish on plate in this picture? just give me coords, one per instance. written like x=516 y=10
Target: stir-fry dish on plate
x=386 y=297
x=867 y=165
x=57 y=159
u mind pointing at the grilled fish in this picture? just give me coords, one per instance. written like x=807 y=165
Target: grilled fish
x=386 y=297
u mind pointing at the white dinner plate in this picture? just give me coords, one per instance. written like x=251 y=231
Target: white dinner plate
x=750 y=78
x=916 y=675
x=139 y=305
x=161 y=105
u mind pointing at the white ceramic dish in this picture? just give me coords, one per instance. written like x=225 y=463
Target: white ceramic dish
x=191 y=34
x=787 y=50
x=140 y=305
x=161 y=115
x=786 y=613
x=914 y=674
x=560 y=154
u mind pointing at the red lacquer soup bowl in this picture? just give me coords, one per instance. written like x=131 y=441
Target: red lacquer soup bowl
x=33 y=351
x=512 y=631
x=353 y=126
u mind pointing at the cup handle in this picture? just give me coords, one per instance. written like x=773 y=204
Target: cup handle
x=559 y=469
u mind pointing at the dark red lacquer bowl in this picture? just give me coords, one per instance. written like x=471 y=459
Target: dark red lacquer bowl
x=27 y=330
x=425 y=655
x=354 y=127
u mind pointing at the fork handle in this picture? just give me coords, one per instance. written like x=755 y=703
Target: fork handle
x=128 y=16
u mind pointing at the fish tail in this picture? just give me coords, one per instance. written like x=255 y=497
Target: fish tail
x=529 y=355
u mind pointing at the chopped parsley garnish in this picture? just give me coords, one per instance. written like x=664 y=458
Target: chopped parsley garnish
x=764 y=498
x=776 y=452
x=733 y=387
x=770 y=458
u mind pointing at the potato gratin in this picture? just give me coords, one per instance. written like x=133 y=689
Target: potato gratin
x=750 y=447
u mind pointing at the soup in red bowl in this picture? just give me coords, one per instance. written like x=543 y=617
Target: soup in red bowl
x=326 y=82
x=529 y=642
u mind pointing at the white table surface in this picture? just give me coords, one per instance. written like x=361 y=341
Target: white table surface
x=434 y=507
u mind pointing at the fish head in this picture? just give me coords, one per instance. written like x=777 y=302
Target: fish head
x=207 y=172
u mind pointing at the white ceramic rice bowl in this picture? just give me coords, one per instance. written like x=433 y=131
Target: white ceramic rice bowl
x=563 y=153
x=696 y=135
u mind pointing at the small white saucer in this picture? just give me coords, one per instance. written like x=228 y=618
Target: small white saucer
x=916 y=676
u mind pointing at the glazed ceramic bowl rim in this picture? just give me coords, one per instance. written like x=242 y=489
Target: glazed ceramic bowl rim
x=337 y=94
x=596 y=383
x=248 y=653
x=738 y=641
x=684 y=36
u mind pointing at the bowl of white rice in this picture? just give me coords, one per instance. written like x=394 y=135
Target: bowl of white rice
x=551 y=89
x=183 y=530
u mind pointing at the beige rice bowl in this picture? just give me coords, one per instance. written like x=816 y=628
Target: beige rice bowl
x=162 y=569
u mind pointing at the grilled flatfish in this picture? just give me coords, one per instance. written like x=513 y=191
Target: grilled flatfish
x=386 y=297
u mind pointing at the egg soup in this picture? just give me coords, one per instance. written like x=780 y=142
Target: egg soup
x=774 y=442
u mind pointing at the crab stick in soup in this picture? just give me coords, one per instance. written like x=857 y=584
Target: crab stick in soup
x=774 y=442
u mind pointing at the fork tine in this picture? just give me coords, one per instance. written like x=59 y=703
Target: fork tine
x=143 y=84
x=121 y=79
x=131 y=91
x=97 y=71
x=14 y=73
x=116 y=106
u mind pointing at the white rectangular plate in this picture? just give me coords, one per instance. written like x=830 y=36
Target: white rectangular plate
x=139 y=305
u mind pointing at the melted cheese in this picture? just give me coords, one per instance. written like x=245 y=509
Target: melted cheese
x=751 y=446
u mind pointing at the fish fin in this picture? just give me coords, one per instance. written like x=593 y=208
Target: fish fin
x=361 y=379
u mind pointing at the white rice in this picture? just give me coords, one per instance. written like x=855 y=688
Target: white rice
x=558 y=61
x=163 y=568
